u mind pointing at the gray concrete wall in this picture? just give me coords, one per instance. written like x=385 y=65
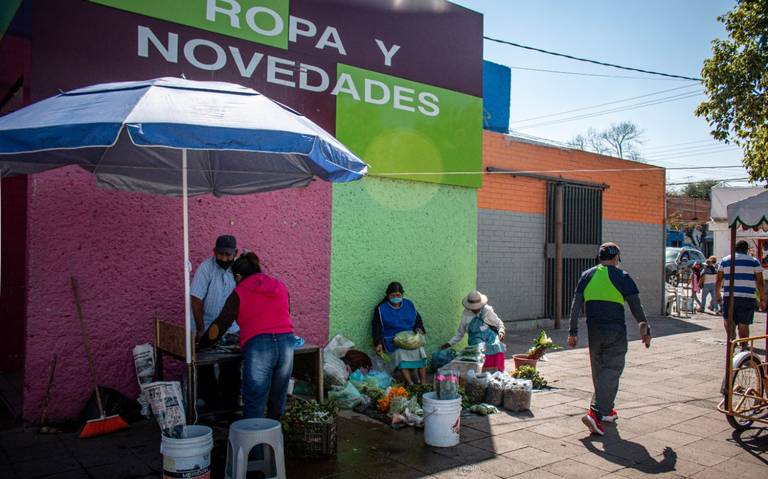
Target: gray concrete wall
x=510 y=262
x=642 y=251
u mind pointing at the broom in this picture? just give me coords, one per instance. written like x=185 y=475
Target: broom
x=103 y=424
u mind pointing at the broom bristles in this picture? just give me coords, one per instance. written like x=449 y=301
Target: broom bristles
x=102 y=426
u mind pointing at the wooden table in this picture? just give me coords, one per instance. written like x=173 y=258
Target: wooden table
x=169 y=340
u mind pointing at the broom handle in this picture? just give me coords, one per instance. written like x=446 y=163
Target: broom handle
x=85 y=343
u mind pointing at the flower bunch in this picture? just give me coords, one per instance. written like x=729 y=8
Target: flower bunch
x=384 y=402
x=540 y=346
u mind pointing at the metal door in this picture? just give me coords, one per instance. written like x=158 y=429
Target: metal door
x=582 y=236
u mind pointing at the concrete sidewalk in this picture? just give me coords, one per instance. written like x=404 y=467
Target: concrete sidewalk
x=668 y=427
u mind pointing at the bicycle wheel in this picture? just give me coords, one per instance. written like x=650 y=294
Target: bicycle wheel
x=747 y=378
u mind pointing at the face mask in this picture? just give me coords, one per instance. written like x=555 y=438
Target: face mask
x=224 y=264
x=395 y=300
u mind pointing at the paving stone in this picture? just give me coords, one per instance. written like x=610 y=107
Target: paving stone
x=498 y=444
x=702 y=426
x=504 y=467
x=537 y=474
x=533 y=456
x=575 y=470
x=605 y=462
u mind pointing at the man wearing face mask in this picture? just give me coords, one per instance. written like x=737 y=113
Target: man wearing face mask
x=211 y=286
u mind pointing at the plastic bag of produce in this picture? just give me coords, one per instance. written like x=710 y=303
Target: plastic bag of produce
x=475 y=386
x=447 y=384
x=338 y=346
x=346 y=397
x=517 y=395
x=474 y=353
x=335 y=370
x=483 y=409
x=409 y=340
x=494 y=393
x=442 y=357
x=378 y=379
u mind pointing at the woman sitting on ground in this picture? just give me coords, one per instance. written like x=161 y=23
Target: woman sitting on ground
x=393 y=315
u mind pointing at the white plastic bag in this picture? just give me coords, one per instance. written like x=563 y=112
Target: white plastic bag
x=336 y=372
x=338 y=346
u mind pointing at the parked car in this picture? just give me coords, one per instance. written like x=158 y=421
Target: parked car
x=678 y=262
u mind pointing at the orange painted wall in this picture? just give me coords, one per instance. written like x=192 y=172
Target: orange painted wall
x=632 y=195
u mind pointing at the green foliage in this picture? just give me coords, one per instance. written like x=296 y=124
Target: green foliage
x=700 y=189
x=736 y=82
x=419 y=390
x=529 y=372
x=299 y=411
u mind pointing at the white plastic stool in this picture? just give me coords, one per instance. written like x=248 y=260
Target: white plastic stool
x=244 y=435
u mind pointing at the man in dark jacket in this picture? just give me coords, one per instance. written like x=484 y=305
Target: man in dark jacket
x=602 y=291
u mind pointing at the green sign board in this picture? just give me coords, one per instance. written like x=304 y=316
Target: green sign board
x=409 y=130
x=260 y=21
x=7 y=12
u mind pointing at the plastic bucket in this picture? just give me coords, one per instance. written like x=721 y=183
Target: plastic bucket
x=442 y=420
x=188 y=457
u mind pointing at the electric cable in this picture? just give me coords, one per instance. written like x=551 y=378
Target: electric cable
x=587 y=60
x=561 y=72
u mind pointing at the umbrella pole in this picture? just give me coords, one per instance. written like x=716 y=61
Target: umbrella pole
x=187 y=301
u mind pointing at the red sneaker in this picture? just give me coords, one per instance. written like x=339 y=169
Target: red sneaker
x=593 y=423
x=612 y=417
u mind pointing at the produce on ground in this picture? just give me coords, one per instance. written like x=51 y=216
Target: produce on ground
x=529 y=372
x=540 y=346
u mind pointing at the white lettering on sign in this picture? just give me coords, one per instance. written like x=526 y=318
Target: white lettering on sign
x=304 y=78
x=330 y=38
x=211 y=9
x=189 y=54
x=281 y=71
x=246 y=71
x=383 y=91
x=294 y=31
x=232 y=9
x=170 y=53
x=387 y=52
x=273 y=70
x=403 y=94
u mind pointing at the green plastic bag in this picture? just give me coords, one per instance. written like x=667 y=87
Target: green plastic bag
x=409 y=340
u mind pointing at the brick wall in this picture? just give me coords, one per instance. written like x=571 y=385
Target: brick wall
x=510 y=262
x=511 y=221
x=642 y=256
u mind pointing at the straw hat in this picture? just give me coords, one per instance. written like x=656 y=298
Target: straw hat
x=475 y=300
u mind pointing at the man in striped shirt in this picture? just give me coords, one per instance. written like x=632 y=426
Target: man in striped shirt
x=748 y=277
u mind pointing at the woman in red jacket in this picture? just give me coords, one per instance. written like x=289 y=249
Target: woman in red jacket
x=260 y=305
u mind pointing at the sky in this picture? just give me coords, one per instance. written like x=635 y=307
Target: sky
x=670 y=36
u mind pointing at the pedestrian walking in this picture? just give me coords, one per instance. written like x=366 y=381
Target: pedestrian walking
x=602 y=292
x=708 y=283
x=748 y=279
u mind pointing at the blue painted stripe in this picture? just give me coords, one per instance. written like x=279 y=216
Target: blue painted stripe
x=54 y=137
x=741 y=262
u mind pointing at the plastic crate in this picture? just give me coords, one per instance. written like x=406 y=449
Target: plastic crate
x=310 y=440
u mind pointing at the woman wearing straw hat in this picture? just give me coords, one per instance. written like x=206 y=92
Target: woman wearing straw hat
x=395 y=314
x=483 y=326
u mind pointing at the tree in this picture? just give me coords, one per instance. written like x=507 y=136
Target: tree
x=736 y=82
x=621 y=140
x=700 y=189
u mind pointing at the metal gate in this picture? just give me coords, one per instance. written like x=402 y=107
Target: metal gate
x=582 y=233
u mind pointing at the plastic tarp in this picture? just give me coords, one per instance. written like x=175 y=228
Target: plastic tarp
x=750 y=212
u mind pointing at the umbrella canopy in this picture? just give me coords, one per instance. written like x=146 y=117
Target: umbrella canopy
x=131 y=136
x=173 y=136
x=750 y=212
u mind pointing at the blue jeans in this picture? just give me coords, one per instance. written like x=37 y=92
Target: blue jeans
x=267 y=368
x=709 y=290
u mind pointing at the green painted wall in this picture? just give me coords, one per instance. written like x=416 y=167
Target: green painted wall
x=421 y=234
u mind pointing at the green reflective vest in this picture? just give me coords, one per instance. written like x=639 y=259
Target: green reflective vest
x=601 y=288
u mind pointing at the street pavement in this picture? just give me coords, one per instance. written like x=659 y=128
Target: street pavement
x=668 y=428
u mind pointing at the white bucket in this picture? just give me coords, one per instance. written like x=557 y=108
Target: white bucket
x=442 y=421
x=190 y=456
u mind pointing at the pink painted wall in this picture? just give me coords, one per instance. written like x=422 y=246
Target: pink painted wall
x=126 y=251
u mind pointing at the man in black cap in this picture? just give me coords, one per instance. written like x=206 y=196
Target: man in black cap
x=602 y=290
x=211 y=286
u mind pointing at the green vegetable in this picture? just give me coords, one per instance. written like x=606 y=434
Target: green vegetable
x=409 y=340
x=299 y=411
x=541 y=344
x=529 y=372
x=418 y=390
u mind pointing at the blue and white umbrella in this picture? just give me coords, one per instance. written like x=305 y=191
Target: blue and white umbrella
x=173 y=136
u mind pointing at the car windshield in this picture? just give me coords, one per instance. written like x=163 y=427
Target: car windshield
x=671 y=254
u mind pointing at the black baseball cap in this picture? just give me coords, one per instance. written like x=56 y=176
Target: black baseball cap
x=226 y=244
x=608 y=251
